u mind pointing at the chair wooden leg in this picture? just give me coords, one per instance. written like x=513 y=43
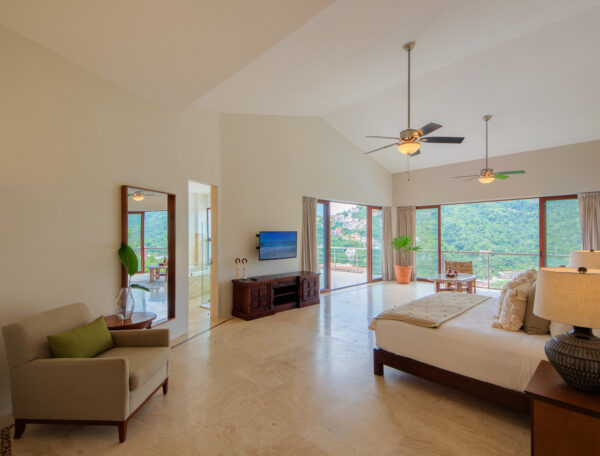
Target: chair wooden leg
x=122 y=431
x=19 y=428
x=165 y=386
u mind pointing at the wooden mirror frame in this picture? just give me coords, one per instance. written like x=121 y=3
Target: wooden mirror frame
x=170 y=241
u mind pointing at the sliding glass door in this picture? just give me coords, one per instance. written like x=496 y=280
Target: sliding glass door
x=323 y=242
x=375 y=217
x=349 y=244
x=348 y=250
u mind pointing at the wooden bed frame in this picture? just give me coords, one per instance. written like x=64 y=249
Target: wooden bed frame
x=494 y=393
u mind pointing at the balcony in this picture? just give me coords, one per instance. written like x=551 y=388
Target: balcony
x=349 y=266
x=155 y=300
x=492 y=269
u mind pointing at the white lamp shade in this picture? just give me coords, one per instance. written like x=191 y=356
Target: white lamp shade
x=567 y=296
x=587 y=258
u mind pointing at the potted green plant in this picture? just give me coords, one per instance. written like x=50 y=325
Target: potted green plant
x=125 y=304
x=404 y=244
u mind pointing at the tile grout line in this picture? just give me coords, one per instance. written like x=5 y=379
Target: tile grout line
x=200 y=333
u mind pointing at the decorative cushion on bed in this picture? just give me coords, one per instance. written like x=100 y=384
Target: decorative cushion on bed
x=522 y=283
x=513 y=310
x=532 y=324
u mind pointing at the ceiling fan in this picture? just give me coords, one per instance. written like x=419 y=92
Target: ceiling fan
x=139 y=195
x=487 y=175
x=409 y=142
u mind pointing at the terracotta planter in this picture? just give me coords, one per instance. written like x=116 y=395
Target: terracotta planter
x=403 y=273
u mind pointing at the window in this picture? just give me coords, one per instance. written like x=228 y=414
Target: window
x=427 y=237
x=135 y=236
x=500 y=238
x=561 y=229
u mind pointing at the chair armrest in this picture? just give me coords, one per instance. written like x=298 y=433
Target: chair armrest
x=71 y=389
x=141 y=337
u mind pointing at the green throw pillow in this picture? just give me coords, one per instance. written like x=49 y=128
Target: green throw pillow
x=86 y=341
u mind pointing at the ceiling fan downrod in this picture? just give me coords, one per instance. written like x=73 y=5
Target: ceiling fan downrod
x=409 y=47
x=486 y=118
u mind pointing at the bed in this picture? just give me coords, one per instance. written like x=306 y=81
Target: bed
x=465 y=353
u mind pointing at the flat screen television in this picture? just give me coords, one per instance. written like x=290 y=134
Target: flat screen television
x=277 y=245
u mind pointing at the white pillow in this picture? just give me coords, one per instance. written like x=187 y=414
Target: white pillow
x=523 y=282
x=513 y=311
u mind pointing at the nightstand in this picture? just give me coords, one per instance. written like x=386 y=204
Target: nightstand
x=563 y=420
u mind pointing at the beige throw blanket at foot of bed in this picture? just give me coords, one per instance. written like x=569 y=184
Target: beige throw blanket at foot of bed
x=431 y=311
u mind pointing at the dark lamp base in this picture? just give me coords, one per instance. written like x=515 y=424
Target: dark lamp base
x=576 y=357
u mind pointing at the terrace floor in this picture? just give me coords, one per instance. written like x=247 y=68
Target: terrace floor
x=153 y=301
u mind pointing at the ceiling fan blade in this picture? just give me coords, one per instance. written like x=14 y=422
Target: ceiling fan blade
x=472 y=178
x=383 y=137
x=470 y=175
x=444 y=139
x=380 y=148
x=429 y=128
x=415 y=154
x=511 y=172
x=500 y=176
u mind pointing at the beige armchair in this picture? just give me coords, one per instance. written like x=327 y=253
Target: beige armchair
x=106 y=390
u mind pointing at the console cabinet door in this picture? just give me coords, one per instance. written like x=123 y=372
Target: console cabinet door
x=310 y=288
x=260 y=298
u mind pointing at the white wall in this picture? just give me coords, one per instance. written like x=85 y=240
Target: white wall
x=268 y=164
x=555 y=171
x=68 y=141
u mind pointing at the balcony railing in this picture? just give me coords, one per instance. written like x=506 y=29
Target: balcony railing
x=352 y=259
x=150 y=255
x=492 y=269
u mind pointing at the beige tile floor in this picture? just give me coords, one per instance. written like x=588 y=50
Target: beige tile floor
x=298 y=383
x=198 y=317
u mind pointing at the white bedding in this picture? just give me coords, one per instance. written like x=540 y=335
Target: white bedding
x=469 y=346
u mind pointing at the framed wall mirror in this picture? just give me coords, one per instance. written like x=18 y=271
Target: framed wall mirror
x=148 y=227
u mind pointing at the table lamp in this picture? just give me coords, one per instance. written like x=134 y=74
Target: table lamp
x=572 y=296
x=586 y=258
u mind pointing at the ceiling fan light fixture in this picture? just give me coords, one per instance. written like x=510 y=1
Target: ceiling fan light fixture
x=137 y=196
x=486 y=176
x=409 y=148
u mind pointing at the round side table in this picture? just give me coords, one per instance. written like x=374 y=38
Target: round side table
x=138 y=320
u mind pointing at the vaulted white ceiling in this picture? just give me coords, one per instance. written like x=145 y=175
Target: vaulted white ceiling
x=532 y=64
x=170 y=52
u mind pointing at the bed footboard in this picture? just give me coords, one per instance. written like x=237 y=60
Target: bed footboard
x=494 y=393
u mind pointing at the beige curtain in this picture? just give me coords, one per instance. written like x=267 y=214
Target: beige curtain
x=407 y=217
x=589 y=213
x=388 y=251
x=310 y=261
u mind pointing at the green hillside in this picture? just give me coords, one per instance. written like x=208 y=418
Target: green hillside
x=155 y=235
x=500 y=227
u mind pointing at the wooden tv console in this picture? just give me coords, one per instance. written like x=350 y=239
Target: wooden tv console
x=260 y=296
